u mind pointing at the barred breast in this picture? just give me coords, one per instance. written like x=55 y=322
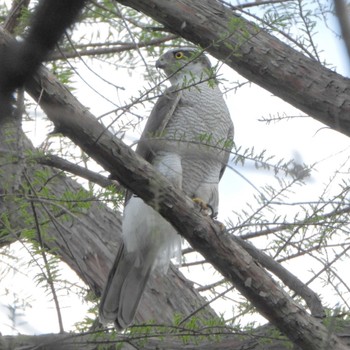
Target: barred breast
x=201 y=118
x=199 y=131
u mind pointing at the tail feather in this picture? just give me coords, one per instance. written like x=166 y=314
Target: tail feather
x=126 y=283
x=149 y=243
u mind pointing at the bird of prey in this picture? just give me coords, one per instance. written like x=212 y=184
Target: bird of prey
x=187 y=138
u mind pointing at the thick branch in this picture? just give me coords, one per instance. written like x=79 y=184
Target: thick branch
x=256 y=55
x=224 y=341
x=311 y=298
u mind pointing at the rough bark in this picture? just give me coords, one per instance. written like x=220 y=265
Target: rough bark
x=256 y=55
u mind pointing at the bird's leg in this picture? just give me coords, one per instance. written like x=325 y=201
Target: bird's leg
x=204 y=207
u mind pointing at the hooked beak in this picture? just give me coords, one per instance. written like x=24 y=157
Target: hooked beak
x=160 y=64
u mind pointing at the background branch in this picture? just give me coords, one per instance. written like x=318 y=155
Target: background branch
x=75 y=169
x=257 y=56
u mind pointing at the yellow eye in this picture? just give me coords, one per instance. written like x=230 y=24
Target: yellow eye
x=178 y=55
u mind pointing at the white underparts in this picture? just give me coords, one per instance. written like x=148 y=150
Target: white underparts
x=146 y=232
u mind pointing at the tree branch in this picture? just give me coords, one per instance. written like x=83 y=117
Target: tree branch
x=20 y=60
x=311 y=298
x=227 y=339
x=256 y=55
x=75 y=169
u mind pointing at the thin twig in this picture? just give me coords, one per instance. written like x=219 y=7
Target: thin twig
x=48 y=276
x=65 y=165
x=205 y=305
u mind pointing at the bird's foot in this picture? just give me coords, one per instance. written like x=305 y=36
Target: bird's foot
x=204 y=207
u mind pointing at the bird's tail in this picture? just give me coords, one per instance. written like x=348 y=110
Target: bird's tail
x=126 y=283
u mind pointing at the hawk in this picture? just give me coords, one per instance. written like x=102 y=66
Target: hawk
x=187 y=138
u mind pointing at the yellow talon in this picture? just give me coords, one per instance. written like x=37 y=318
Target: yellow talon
x=200 y=202
x=203 y=206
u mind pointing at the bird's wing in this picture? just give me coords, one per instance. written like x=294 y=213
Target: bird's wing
x=228 y=151
x=127 y=279
x=156 y=123
x=126 y=282
x=158 y=120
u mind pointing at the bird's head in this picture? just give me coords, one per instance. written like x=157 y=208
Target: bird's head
x=185 y=64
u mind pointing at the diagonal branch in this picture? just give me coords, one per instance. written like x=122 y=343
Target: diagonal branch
x=19 y=60
x=310 y=297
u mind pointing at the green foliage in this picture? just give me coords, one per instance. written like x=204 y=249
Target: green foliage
x=87 y=323
x=64 y=73
x=262 y=161
x=24 y=20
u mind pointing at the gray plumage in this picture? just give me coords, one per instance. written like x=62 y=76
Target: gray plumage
x=187 y=138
